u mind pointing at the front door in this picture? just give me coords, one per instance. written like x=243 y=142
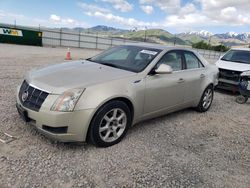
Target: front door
x=165 y=91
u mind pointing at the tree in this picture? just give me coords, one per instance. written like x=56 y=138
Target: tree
x=206 y=46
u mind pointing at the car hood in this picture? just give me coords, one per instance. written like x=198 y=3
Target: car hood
x=229 y=65
x=78 y=74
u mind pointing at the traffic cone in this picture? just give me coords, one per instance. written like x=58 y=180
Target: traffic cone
x=68 y=56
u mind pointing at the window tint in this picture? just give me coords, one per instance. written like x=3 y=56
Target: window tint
x=192 y=61
x=173 y=59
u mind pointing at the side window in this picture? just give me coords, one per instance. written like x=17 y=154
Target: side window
x=173 y=59
x=192 y=61
x=120 y=55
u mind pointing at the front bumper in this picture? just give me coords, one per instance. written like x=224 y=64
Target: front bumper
x=228 y=84
x=61 y=126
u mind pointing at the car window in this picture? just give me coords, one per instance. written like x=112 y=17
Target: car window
x=238 y=56
x=127 y=57
x=173 y=59
x=192 y=62
x=121 y=54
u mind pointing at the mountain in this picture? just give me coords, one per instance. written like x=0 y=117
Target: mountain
x=229 y=38
x=154 y=35
x=202 y=33
x=232 y=35
x=164 y=37
x=106 y=30
x=99 y=29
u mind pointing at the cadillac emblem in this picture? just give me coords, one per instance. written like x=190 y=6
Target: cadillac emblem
x=25 y=95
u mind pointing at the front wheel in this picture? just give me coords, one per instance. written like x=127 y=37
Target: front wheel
x=110 y=124
x=206 y=99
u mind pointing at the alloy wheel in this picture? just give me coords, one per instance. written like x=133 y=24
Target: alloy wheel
x=112 y=125
x=207 y=99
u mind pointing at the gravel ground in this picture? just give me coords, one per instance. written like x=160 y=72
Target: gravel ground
x=183 y=149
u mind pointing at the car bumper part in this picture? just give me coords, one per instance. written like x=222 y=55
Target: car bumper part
x=61 y=126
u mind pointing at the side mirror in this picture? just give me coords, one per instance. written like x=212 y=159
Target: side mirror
x=164 y=69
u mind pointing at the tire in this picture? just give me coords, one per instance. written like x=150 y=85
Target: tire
x=110 y=124
x=241 y=99
x=206 y=99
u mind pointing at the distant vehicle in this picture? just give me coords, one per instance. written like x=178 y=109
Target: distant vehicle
x=231 y=65
x=99 y=98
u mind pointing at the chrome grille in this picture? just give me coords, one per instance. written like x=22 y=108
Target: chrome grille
x=34 y=97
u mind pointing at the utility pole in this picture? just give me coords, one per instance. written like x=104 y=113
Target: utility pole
x=145 y=34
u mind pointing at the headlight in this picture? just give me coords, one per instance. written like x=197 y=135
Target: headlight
x=66 y=102
x=246 y=73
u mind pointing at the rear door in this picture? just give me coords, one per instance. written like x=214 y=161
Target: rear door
x=194 y=75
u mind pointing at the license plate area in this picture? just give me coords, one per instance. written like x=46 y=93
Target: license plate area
x=23 y=113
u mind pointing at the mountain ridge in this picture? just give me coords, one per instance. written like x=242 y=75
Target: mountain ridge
x=163 y=36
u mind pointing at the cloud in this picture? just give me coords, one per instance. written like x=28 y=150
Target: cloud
x=121 y=5
x=65 y=21
x=9 y=17
x=147 y=9
x=55 y=18
x=230 y=12
x=169 y=6
x=131 y=22
x=91 y=7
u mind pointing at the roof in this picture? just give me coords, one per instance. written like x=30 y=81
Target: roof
x=243 y=49
x=158 y=46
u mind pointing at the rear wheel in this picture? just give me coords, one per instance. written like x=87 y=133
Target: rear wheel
x=110 y=124
x=241 y=99
x=206 y=99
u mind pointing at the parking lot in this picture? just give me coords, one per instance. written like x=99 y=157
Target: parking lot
x=183 y=149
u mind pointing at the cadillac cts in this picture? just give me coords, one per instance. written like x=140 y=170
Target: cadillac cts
x=98 y=99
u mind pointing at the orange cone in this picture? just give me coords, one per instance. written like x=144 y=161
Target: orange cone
x=68 y=56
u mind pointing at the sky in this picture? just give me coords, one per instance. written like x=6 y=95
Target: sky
x=175 y=16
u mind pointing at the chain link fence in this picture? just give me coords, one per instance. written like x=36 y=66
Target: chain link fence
x=66 y=38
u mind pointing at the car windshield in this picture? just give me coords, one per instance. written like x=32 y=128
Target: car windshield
x=238 y=56
x=131 y=58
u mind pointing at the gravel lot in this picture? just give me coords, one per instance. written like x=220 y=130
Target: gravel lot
x=183 y=149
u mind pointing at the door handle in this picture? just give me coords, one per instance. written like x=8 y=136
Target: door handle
x=202 y=76
x=181 y=80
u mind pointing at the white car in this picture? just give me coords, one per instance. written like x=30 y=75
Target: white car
x=231 y=65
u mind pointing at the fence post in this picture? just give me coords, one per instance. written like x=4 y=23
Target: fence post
x=79 y=42
x=60 y=36
x=111 y=42
x=96 y=45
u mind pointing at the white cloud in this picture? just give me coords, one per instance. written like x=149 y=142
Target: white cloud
x=121 y=5
x=169 y=6
x=91 y=7
x=130 y=22
x=52 y=21
x=147 y=9
x=55 y=18
x=187 y=9
x=69 y=22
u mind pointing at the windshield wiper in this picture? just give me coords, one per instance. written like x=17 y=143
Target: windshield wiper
x=90 y=59
x=225 y=59
x=110 y=64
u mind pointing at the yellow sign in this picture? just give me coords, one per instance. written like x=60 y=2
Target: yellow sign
x=12 y=32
